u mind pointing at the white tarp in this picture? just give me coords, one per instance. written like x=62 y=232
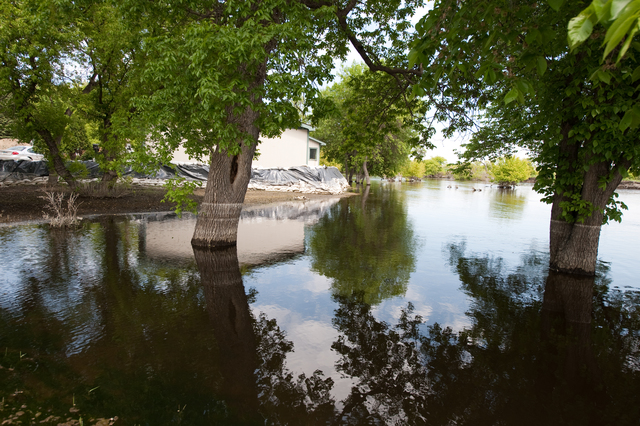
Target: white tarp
x=299 y=179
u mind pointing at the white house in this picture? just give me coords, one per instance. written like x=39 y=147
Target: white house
x=293 y=148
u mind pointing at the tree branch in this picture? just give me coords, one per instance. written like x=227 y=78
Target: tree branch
x=373 y=63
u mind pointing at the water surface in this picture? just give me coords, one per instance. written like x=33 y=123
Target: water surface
x=406 y=304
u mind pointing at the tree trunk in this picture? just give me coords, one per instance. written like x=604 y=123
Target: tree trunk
x=573 y=240
x=219 y=212
x=58 y=163
x=366 y=172
x=233 y=328
x=347 y=171
x=53 y=178
x=573 y=246
x=108 y=176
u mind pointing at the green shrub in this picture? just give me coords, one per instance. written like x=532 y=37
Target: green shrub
x=413 y=169
x=78 y=169
x=510 y=171
x=435 y=166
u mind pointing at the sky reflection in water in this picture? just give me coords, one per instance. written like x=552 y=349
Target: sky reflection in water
x=116 y=317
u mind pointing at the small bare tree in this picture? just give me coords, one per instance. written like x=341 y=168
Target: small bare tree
x=62 y=216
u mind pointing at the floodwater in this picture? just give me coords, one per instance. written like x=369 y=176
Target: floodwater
x=407 y=304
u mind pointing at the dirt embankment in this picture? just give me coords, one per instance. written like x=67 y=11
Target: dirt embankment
x=23 y=203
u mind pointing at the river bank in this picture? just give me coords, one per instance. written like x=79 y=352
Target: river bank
x=23 y=203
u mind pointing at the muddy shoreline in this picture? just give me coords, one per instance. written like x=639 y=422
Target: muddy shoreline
x=23 y=203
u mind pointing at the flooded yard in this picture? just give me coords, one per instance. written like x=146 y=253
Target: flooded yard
x=408 y=304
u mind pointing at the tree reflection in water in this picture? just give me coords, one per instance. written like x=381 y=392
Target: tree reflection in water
x=538 y=352
x=531 y=356
x=120 y=337
x=365 y=246
x=256 y=382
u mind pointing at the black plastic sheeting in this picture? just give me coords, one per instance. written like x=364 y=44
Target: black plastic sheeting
x=314 y=176
x=26 y=169
x=187 y=171
x=22 y=169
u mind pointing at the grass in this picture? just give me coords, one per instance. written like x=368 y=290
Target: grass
x=103 y=189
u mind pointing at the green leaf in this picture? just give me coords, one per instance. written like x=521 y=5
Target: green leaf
x=626 y=121
x=418 y=90
x=580 y=27
x=616 y=6
x=524 y=86
x=616 y=32
x=512 y=95
x=604 y=76
x=627 y=42
x=490 y=76
x=541 y=64
x=602 y=9
x=555 y=4
x=636 y=75
x=532 y=36
x=413 y=57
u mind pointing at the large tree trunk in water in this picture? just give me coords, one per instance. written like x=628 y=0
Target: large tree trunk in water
x=573 y=244
x=233 y=328
x=219 y=213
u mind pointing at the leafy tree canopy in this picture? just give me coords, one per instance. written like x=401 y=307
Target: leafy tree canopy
x=210 y=61
x=371 y=117
x=66 y=67
x=511 y=63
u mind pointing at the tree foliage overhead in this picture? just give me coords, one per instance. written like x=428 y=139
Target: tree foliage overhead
x=66 y=67
x=620 y=17
x=210 y=61
x=511 y=62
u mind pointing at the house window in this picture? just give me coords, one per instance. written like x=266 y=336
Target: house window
x=313 y=153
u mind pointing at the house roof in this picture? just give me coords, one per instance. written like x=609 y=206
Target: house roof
x=309 y=127
x=317 y=140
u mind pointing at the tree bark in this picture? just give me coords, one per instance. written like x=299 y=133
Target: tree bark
x=227 y=182
x=366 y=172
x=573 y=246
x=573 y=240
x=109 y=155
x=58 y=163
x=347 y=170
x=233 y=328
